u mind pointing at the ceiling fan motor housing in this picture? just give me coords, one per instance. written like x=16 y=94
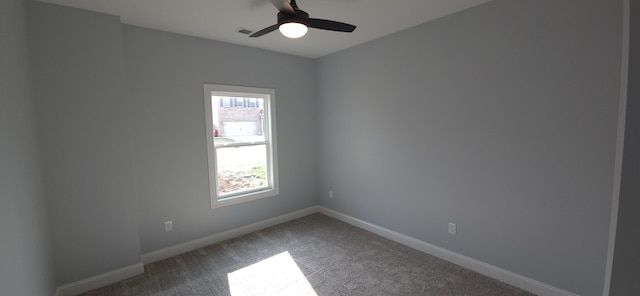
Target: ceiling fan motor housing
x=298 y=17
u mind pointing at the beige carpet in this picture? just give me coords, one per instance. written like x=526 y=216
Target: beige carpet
x=314 y=255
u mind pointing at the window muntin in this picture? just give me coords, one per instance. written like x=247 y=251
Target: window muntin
x=241 y=143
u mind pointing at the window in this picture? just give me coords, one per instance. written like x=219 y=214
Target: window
x=241 y=143
x=225 y=102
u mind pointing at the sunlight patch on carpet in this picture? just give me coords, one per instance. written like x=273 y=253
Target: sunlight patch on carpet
x=276 y=275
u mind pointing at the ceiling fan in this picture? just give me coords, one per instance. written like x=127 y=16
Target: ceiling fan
x=294 y=22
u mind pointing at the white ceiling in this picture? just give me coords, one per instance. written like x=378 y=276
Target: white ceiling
x=220 y=19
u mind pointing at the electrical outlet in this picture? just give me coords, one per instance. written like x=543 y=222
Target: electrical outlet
x=168 y=226
x=330 y=193
x=453 y=228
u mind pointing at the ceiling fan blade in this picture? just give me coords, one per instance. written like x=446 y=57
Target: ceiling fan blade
x=265 y=31
x=283 y=5
x=330 y=25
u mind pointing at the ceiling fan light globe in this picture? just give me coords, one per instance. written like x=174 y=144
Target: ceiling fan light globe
x=293 y=30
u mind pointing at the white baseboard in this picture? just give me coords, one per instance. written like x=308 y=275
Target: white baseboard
x=489 y=270
x=216 y=238
x=100 y=280
x=514 y=279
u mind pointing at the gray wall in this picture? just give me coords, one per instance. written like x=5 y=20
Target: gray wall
x=166 y=73
x=626 y=263
x=25 y=255
x=84 y=122
x=124 y=146
x=501 y=118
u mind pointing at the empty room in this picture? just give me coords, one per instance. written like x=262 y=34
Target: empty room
x=200 y=147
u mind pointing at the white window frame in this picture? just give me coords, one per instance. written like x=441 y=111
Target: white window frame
x=269 y=130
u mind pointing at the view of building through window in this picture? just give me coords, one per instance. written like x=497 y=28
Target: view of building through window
x=240 y=144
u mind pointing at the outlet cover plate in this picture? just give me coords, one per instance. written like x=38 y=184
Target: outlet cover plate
x=453 y=228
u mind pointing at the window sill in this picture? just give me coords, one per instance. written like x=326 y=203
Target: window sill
x=232 y=200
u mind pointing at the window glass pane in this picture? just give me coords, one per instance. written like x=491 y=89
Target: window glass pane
x=241 y=168
x=238 y=124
